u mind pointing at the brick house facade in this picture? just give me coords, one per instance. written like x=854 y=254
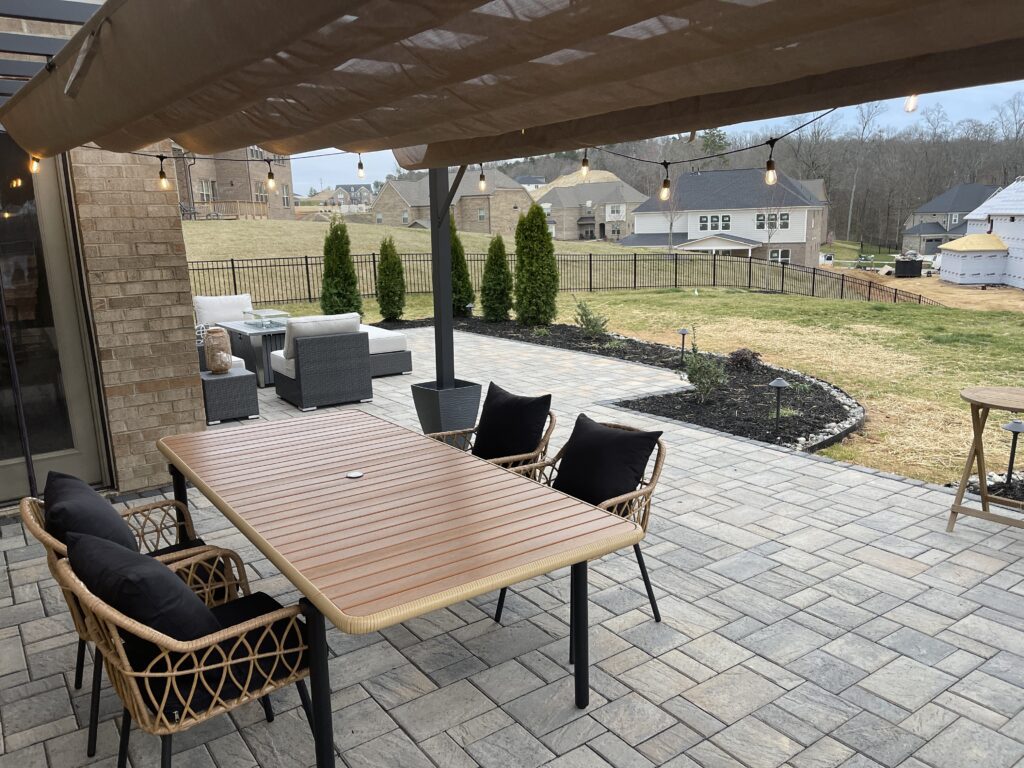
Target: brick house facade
x=238 y=176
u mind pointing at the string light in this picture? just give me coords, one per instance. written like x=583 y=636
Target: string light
x=360 y=171
x=165 y=183
x=483 y=179
x=271 y=184
x=16 y=182
x=666 y=185
x=770 y=176
x=33 y=165
x=585 y=165
x=910 y=105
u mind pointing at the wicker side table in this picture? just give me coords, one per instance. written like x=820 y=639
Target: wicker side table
x=230 y=395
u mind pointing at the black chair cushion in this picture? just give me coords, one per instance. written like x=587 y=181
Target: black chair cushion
x=71 y=505
x=602 y=462
x=510 y=424
x=181 y=546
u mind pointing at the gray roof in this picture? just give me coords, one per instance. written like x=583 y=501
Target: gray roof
x=353 y=189
x=724 y=236
x=926 y=228
x=652 y=239
x=417 y=192
x=597 y=192
x=531 y=180
x=733 y=188
x=959 y=199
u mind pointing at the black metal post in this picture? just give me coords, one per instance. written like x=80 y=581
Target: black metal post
x=320 y=682
x=234 y=277
x=1013 y=455
x=441 y=267
x=122 y=748
x=19 y=404
x=94 y=703
x=180 y=486
x=579 y=633
x=79 y=663
x=309 y=281
x=778 y=408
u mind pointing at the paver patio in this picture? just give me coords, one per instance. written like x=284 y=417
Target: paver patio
x=816 y=614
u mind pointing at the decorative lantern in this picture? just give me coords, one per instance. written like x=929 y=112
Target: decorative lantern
x=218 y=350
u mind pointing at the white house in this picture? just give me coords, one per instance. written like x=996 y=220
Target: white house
x=992 y=251
x=734 y=212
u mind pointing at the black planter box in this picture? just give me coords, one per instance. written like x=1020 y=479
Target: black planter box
x=441 y=410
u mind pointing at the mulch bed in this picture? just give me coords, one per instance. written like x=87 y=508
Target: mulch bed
x=744 y=407
x=999 y=487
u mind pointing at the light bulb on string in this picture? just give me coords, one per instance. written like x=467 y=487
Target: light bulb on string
x=585 y=165
x=271 y=184
x=33 y=165
x=483 y=179
x=770 y=176
x=910 y=105
x=666 y=185
x=360 y=171
x=165 y=183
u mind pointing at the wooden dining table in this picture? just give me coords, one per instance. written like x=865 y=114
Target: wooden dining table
x=376 y=524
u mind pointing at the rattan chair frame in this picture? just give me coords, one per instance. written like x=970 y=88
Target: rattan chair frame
x=463 y=439
x=634 y=506
x=183 y=667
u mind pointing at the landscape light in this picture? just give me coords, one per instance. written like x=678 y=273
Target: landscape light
x=778 y=385
x=1015 y=427
x=910 y=105
x=682 y=345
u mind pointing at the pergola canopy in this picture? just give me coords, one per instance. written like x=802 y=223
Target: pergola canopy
x=446 y=82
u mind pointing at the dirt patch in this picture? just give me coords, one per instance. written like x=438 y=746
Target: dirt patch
x=991 y=298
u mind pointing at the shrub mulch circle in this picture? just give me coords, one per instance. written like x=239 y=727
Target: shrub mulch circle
x=815 y=413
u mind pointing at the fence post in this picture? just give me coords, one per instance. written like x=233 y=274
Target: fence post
x=750 y=272
x=590 y=269
x=920 y=298
x=234 y=277
x=373 y=261
x=675 y=269
x=714 y=268
x=842 y=286
x=634 y=271
x=896 y=296
x=782 y=283
x=814 y=280
x=309 y=280
x=869 y=289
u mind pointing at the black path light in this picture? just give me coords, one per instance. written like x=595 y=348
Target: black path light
x=682 y=345
x=1015 y=427
x=469 y=310
x=778 y=385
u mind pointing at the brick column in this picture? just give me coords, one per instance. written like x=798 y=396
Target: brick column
x=138 y=291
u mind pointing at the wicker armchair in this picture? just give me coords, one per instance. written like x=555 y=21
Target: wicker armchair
x=163 y=529
x=634 y=506
x=463 y=439
x=168 y=686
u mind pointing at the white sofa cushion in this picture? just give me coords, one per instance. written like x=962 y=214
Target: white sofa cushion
x=211 y=310
x=317 y=325
x=382 y=340
x=237 y=362
x=281 y=364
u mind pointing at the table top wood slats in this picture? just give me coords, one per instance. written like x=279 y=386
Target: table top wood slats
x=1001 y=398
x=426 y=526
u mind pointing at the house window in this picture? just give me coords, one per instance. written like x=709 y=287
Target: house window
x=780 y=255
x=773 y=221
x=255 y=153
x=726 y=221
x=614 y=210
x=286 y=196
x=703 y=223
x=481 y=214
x=379 y=218
x=207 y=190
x=260 y=192
x=954 y=218
x=760 y=221
x=783 y=221
x=714 y=223
x=405 y=216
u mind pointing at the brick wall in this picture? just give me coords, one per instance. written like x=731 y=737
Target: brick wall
x=138 y=291
x=390 y=205
x=236 y=181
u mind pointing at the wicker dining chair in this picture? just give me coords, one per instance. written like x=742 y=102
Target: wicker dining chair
x=163 y=529
x=634 y=506
x=463 y=439
x=174 y=685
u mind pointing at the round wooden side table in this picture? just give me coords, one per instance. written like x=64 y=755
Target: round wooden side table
x=982 y=400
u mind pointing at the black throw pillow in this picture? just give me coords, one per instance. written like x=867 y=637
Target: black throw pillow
x=72 y=506
x=140 y=587
x=602 y=462
x=510 y=424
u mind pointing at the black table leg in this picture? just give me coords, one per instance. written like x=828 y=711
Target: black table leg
x=320 y=682
x=180 y=495
x=579 y=632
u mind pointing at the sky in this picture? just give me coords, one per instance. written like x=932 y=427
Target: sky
x=978 y=103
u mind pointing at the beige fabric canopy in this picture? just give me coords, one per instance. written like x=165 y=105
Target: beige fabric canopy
x=445 y=82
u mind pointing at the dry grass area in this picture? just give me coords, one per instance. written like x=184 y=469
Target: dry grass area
x=1001 y=298
x=260 y=239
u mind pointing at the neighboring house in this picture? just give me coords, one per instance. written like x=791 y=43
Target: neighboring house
x=941 y=219
x=992 y=251
x=532 y=182
x=356 y=194
x=600 y=210
x=234 y=184
x=734 y=212
x=496 y=210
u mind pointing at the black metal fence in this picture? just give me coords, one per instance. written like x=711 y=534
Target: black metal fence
x=289 y=280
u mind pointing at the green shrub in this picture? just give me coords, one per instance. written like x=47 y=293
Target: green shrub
x=462 y=287
x=390 y=281
x=706 y=373
x=496 y=288
x=593 y=325
x=340 y=289
x=536 y=269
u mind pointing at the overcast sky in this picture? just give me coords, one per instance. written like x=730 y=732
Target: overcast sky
x=978 y=103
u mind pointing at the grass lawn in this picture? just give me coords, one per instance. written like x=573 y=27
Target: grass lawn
x=259 y=239
x=848 y=250
x=905 y=363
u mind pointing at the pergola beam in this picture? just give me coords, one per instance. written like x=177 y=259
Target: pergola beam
x=55 y=11
x=10 y=87
x=441 y=268
x=18 y=68
x=33 y=45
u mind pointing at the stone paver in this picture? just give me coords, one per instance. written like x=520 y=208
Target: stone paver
x=816 y=614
